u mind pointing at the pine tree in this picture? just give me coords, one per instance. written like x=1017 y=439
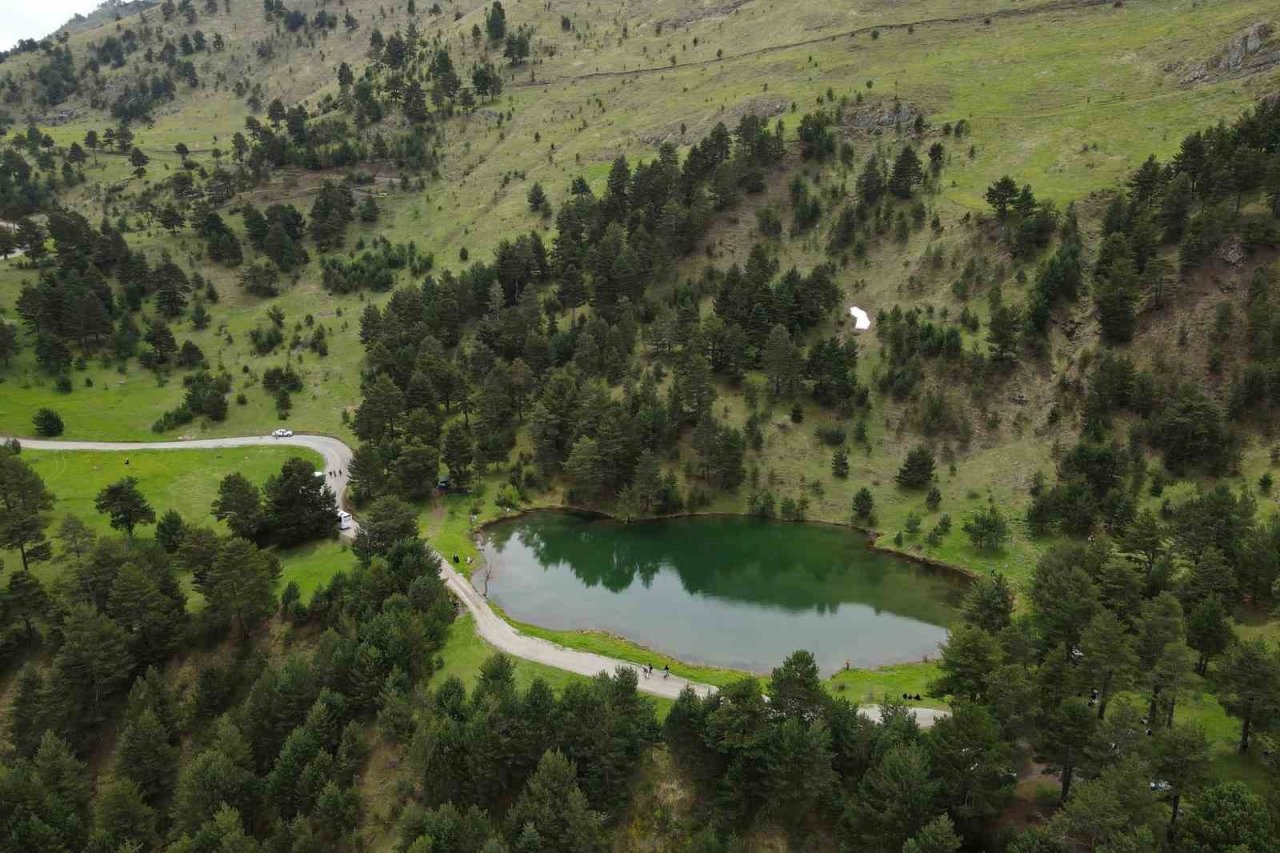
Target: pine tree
x=1000 y=196
x=239 y=504
x=907 y=172
x=457 y=453
x=92 y=665
x=1115 y=290
x=552 y=808
x=1107 y=657
x=495 y=22
x=122 y=820
x=239 y=587
x=125 y=505
x=27 y=717
x=538 y=199
x=840 y=463
x=25 y=503
x=781 y=360
x=170 y=530
x=26 y=600
x=917 y=469
x=896 y=798
x=145 y=757
x=864 y=506
x=1250 y=687
x=1209 y=631
x=1181 y=757
x=388 y=521
x=989 y=603
x=152 y=619
x=415 y=103
x=298 y=506
x=1063 y=736
x=937 y=836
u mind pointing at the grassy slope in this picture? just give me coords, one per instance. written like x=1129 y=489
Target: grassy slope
x=1033 y=102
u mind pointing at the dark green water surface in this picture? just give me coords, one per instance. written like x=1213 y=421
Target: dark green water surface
x=731 y=592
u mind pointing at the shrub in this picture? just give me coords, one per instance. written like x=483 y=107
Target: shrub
x=840 y=464
x=48 y=423
x=864 y=506
x=831 y=436
x=987 y=529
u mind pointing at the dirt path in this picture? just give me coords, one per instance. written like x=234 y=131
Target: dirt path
x=1017 y=12
x=492 y=628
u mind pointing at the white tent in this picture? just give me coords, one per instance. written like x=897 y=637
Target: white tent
x=861 y=319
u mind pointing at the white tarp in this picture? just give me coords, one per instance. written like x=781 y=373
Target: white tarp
x=861 y=319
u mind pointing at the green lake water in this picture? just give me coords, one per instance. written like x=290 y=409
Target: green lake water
x=723 y=591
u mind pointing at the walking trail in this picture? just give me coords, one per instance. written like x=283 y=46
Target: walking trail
x=492 y=628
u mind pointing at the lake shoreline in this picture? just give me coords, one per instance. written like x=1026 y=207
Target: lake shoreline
x=608 y=633
x=872 y=536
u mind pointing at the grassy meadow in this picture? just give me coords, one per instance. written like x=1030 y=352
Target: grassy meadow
x=182 y=480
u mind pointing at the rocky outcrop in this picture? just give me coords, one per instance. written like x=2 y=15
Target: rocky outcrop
x=1250 y=51
x=881 y=116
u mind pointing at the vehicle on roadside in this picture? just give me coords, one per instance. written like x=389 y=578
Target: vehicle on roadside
x=282 y=433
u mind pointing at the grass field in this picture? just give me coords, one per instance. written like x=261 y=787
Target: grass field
x=183 y=480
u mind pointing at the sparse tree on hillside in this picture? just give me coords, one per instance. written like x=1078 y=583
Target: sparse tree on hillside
x=139 y=162
x=917 y=469
x=1000 y=196
x=124 y=505
x=907 y=173
x=495 y=22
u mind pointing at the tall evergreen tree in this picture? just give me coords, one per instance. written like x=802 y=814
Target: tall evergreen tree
x=123 y=503
x=25 y=502
x=298 y=505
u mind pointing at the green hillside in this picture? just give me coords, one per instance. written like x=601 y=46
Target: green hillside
x=603 y=256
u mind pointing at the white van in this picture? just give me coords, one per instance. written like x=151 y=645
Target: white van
x=344 y=520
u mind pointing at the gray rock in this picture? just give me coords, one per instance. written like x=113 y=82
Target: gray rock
x=1250 y=51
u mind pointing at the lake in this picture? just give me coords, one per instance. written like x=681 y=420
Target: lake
x=730 y=592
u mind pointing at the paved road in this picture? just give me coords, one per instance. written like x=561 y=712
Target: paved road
x=493 y=628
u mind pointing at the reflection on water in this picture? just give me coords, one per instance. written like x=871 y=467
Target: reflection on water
x=732 y=592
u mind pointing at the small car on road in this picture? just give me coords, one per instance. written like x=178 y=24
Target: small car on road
x=282 y=433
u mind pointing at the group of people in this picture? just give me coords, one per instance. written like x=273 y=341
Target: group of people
x=912 y=697
x=647 y=670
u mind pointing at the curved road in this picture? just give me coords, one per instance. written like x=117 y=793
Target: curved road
x=494 y=629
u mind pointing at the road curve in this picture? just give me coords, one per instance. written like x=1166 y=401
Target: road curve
x=336 y=454
x=493 y=628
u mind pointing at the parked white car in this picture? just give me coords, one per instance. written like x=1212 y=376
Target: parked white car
x=282 y=433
